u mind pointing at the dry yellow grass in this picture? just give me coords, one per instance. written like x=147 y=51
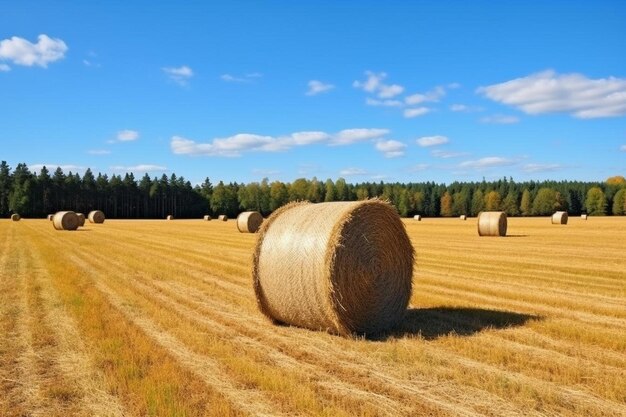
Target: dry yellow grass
x=99 y=322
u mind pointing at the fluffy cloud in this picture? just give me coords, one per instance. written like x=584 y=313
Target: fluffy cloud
x=426 y=141
x=127 y=135
x=246 y=78
x=438 y=153
x=500 y=119
x=98 y=152
x=139 y=168
x=351 y=172
x=374 y=84
x=549 y=92
x=383 y=103
x=487 y=162
x=19 y=51
x=433 y=95
x=419 y=111
x=391 y=148
x=180 y=75
x=531 y=168
x=317 y=87
x=233 y=146
x=464 y=108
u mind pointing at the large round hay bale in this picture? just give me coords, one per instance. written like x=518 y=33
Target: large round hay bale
x=417 y=217
x=169 y=217
x=560 y=217
x=50 y=217
x=343 y=267
x=81 y=219
x=65 y=220
x=249 y=221
x=96 y=216
x=492 y=223
x=222 y=217
x=15 y=217
x=207 y=217
x=584 y=216
x=463 y=217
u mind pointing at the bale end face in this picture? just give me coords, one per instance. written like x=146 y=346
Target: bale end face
x=249 y=221
x=81 y=219
x=492 y=223
x=65 y=220
x=15 y=217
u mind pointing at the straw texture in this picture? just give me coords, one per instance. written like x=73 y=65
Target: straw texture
x=222 y=217
x=65 y=220
x=492 y=223
x=560 y=217
x=50 y=217
x=207 y=217
x=249 y=221
x=81 y=219
x=15 y=217
x=463 y=217
x=343 y=267
x=169 y=217
x=417 y=217
x=96 y=216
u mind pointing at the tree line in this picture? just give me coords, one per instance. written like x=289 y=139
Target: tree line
x=33 y=194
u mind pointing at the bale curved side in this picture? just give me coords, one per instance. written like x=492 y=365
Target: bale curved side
x=96 y=216
x=343 y=267
x=222 y=217
x=249 y=221
x=81 y=219
x=15 y=217
x=65 y=220
x=560 y=217
x=207 y=217
x=492 y=223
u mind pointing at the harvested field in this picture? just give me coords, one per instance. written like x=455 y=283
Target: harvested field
x=135 y=318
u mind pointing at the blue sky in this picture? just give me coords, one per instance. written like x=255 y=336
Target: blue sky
x=241 y=90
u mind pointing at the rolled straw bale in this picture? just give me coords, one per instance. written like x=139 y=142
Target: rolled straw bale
x=249 y=221
x=169 y=217
x=463 y=217
x=560 y=217
x=81 y=219
x=65 y=220
x=15 y=217
x=492 y=223
x=342 y=267
x=207 y=217
x=50 y=217
x=417 y=217
x=96 y=216
x=222 y=217
x=584 y=217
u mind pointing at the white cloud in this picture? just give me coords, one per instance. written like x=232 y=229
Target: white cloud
x=438 y=153
x=246 y=78
x=426 y=141
x=453 y=86
x=139 y=168
x=500 y=119
x=531 y=168
x=52 y=167
x=374 y=84
x=391 y=148
x=383 y=103
x=317 y=87
x=233 y=146
x=419 y=111
x=419 y=168
x=127 y=135
x=549 y=92
x=180 y=75
x=462 y=108
x=4 y=68
x=487 y=162
x=19 y=51
x=98 y=152
x=433 y=95
x=351 y=172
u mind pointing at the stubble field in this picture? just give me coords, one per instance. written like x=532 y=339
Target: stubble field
x=135 y=318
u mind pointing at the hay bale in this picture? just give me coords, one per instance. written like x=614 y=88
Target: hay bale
x=169 y=217
x=96 y=216
x=65 y=220
x=50 y=217
x=463 y=217
x=249 y=221
x=417 y=217
x=207 y=217
x=222 y=217
x=492 y=223
x=560 y=217
x=584 y=216
x=81 y=219
x=15 y=217
x=342 y=267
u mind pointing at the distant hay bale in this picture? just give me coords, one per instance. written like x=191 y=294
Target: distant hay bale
x=492 y=223
x=50 y=217
x=463 y=217
x=81 y=219
x=222 y=217
x=169 y=217
x=249 y=221
x=560 y=217
x=584 y=217
x=15 y=217
x=417 y=217
x=207 y=217
x=342 y=267
x=65 y=220
x=96 y=216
